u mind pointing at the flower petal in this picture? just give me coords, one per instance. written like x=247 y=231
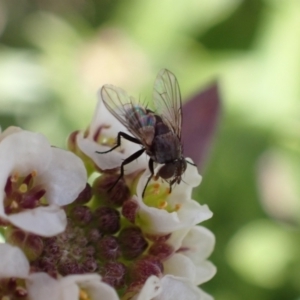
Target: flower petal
x=45 y=220
x=42 y=286
x=8 y=131
x=13 y=262
x=110 y=127
x=181 y=266
x=92 y=285
x=65 y=178
x=24 y=152
x=159 y=221
x=150 y=289
x=204 y=272
x=176 y=288
x=200 y=242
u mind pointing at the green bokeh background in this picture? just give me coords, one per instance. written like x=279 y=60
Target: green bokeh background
x=54 y=56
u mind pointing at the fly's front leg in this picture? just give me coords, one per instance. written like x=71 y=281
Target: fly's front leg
x=151 y=168
x=191 y=163
x=126 y=137
x=125 y=162
x=171 y=183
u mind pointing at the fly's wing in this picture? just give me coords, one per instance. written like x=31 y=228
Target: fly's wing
x=167 y=100
x=131 y=114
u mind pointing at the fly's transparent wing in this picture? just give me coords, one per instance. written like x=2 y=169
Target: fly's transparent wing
x=117 y=102
x=131 y=114
x=167 y=100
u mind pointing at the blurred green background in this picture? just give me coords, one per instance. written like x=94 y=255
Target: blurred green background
x=54 y=56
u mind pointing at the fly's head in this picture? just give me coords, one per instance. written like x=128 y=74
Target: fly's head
x=172 y=171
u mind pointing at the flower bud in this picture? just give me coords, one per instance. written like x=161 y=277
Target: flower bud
x=32 y=245
x=161 y=250
x=94 y=235
x=132 y=242
x=113 y=273
x=81 y=215
x=89 y=265
x=108 y=248
x=108 y=219
x=145 y=267
x=85 y=195
x=129 y=210
x=112 y=197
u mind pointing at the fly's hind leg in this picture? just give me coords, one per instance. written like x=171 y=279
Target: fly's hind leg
x=151 y=168
x=126 y=137
x=125 y=162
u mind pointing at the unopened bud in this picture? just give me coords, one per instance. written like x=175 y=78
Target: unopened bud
x=108 y=248
x=129 y=210
x=104 y=192
x=32 y=245
x=113 y=273
x=108 y=219
x=132 y=242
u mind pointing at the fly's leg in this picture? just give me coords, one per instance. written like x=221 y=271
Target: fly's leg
x=125 y=162
x=151 y=168
x=125 y=136
x=171 y=183
x=191 y=163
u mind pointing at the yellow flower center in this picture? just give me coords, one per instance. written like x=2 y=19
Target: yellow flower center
x=156 y=195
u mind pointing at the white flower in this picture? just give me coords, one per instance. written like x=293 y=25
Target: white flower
x=35 y=180
x=192 y=248
x=101 y=136
x=161 y=212
x=170 y=288
x=14 y=264
x=72 y=287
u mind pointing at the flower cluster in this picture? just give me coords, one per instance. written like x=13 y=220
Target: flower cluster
x=69 y=235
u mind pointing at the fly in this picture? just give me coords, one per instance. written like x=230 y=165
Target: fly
x=157 y=131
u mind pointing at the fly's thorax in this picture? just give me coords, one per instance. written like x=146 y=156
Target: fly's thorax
x=173 y=169
x=166 y=147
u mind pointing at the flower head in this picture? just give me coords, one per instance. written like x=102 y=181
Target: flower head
x=162 y=212
x=100 y=136
x=35 y=181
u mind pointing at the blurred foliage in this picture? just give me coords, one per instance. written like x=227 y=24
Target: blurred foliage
x=54 y=55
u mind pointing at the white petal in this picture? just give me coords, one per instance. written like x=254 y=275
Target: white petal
x=92 y=284
x=45 y=221
x=65 y=178
x=112 y=159
x=42 y=286
x=204 y=272
x=13 y=262
x=151 y=289
x=176 y=288
x=24 y=152
x=102 y=117
x=181 y=266
x=8 y=131
x=159 y=221
x=191 y=175
x=110 y=127
x=200 y=242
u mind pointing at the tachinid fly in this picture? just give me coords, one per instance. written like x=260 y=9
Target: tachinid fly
x=157 y=131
